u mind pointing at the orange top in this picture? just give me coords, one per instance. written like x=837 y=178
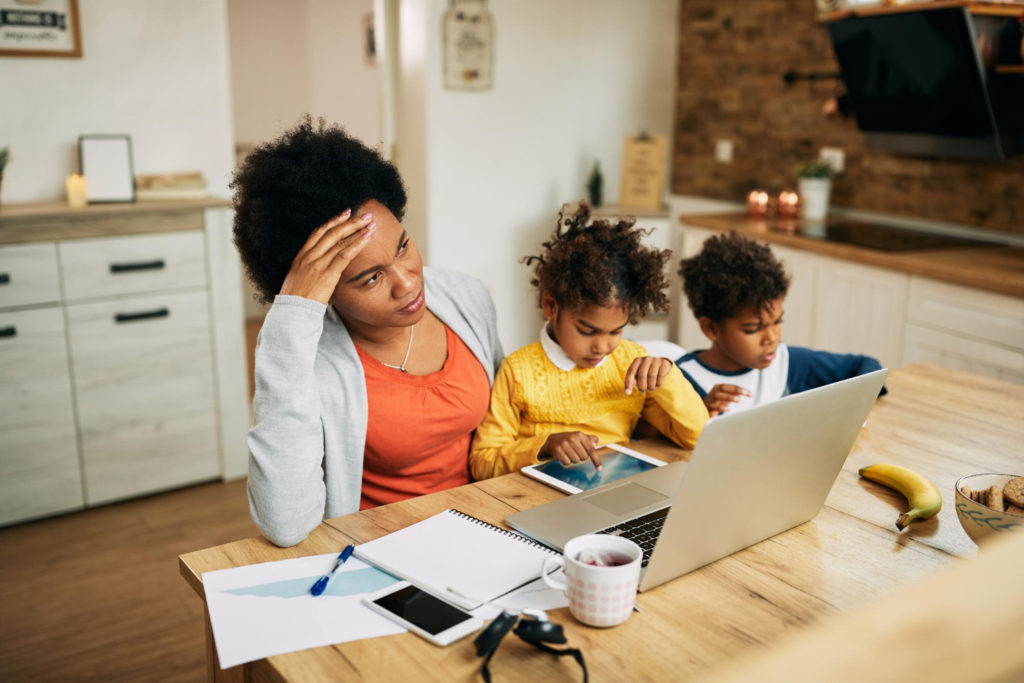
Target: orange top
x=419 y=428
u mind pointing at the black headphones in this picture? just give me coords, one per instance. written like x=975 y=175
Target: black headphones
x=535 y=630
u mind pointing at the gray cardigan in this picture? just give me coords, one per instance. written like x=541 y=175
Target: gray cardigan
x=306 y=445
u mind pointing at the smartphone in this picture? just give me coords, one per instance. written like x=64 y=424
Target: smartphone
x=422 y=613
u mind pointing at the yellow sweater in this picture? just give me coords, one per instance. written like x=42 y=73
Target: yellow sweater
x=532 y=399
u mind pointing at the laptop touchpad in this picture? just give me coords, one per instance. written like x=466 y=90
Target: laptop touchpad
x=625 y=498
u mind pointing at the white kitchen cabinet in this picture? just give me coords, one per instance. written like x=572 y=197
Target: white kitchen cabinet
x=145 y=393
x=958 y=352
x=141 y=350
x=800 y=306
x=860 y=309
x=28 y=275
x=965 y=329
x=122 y=367
x=113 y=266
x=39 y=468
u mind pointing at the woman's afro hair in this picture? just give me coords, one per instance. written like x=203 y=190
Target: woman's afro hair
x=732 y=273
x=600 y=263
x=288 y=187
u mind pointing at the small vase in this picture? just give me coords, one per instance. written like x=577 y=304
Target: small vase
x=814 y=194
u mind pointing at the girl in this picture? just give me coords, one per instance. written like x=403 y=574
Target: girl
x=581 y=384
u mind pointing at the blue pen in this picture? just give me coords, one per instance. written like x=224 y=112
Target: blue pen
x=321 y=584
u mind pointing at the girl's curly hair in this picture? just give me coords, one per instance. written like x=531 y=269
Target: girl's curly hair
x=600 y=263
x=729 y=274
x=288 y=187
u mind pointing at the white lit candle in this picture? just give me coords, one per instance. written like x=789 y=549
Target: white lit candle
x=75 y=186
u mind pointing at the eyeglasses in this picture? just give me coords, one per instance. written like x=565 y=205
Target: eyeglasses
x=533 y=628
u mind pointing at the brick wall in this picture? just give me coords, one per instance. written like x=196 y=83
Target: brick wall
x=732 y=54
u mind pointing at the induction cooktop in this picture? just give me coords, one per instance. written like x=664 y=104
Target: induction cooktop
x=881 y=236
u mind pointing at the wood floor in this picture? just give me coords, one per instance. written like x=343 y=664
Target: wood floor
x=96 y=595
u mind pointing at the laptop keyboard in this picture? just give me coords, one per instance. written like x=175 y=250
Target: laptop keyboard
x=643 y=531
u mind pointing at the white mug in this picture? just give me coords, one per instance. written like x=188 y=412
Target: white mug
x=598 y=596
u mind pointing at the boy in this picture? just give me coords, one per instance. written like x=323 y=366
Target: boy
x=736 y=289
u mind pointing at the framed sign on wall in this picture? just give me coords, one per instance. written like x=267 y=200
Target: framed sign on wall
x=643 y=171
x=468 y=44
x=40 y=28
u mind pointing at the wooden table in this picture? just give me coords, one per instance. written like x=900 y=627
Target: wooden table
x=942 y=423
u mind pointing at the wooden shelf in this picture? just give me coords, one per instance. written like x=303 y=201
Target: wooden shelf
x=998 y=9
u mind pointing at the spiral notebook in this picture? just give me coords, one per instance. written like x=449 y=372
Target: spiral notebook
x=458 y=557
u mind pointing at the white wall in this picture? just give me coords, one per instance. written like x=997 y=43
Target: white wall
x=298 y=57
x=571 y=80
x=156 y=70
x=269 y=79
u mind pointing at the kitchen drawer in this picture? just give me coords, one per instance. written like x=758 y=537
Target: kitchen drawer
x=145 y=456
x=926 y=345
x=39 y=472
x=28 y=274
x=113 y=266
x=965 y=311
x=141 y=358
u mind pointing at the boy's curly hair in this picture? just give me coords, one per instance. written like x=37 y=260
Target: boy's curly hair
x=600 y=264
x=729 y=274
x=288 y=187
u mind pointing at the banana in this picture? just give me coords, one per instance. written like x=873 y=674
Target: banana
x=922 y=496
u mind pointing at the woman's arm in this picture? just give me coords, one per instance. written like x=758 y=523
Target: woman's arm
x=286 y=443
x=287 y=494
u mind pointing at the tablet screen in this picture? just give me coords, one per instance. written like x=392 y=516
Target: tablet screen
x=584 y=476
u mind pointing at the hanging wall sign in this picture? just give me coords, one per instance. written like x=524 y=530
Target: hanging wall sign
x=39 y=28
x=468 y=45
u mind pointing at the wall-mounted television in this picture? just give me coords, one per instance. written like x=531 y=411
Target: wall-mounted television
x=924 y=82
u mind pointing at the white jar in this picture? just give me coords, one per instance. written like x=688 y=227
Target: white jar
x=814 y=194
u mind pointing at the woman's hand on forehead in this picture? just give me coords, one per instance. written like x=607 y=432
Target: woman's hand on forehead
x=318 y=266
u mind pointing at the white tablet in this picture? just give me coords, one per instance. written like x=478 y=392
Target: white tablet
x=617 y=462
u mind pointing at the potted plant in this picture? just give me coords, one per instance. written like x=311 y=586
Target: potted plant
x=814 y=184
x=5 y=156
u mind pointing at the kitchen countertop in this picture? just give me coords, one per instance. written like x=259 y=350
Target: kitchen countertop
x=22 y=223
x=998 y=269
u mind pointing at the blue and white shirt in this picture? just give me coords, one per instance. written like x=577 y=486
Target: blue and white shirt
x=794 y=369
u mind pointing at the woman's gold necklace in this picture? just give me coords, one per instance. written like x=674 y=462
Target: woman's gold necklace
x=412 y=331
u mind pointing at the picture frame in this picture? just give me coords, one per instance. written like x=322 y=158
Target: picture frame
x=40 y=28
x=369 y=40
x=106 y=163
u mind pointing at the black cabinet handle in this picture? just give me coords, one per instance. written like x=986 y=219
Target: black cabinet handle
x=144 y=315
x=8 y=331
x=5 y=279
x=138 y=265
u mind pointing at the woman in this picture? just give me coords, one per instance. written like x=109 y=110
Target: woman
x=371 y=371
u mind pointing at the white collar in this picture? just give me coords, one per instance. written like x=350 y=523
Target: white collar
x=556 y=354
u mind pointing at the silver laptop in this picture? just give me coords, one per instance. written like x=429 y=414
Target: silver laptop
x=753 y=474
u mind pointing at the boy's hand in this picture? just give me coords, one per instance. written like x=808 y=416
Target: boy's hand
x=570 y=448
x=646 y=373
x=722 y=396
